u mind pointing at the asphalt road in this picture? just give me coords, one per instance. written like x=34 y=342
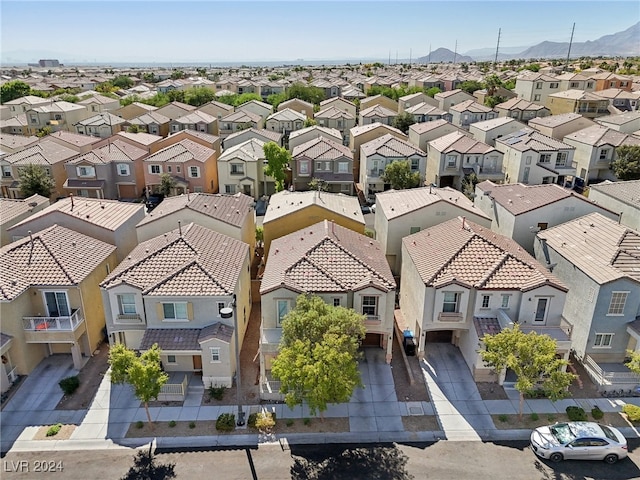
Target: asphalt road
x=440 y=461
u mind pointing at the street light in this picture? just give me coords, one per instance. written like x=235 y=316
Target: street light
x=228 y=312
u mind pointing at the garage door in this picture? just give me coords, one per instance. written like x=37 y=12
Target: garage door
x=127 y=191
x=440 y=336
x=372 y=340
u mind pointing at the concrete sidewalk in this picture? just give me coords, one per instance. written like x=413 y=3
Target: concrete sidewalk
x=374 y=413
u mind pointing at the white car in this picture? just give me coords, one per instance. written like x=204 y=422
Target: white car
x=579 y=441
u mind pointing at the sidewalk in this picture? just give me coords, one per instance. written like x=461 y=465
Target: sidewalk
x=374 y=414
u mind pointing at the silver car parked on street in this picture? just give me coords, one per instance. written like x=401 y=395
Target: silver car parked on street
x=579 y=441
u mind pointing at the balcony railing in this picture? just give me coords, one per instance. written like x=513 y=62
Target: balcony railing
x=372 y=320
x=129 y=318
x=13 y=374
x=374 y=172
x=450 y=317
x=567 y=165
x=56 y=324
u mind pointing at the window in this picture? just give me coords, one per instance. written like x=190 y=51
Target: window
x=543 y=225
x=618 y=300
x=561 y=161
x=194 y=172
x=236 y=169
x=303 y=167
x=574 y=85
x=541 y=310
x=178 y=168
x=57 y=304
x=451 y=302
x=527 y=160
x=589 y=84
x=282 y=307
x=604 y=154
x=553 y=85
x=343 y=167
x=413 y=230
x=415 y=164
x=169 y=169
x=525 y=176
x=336 y=302
x=345 y=188
x=230 y=189
x=545 y=158
x=85 y=171
x=370 y=306
x=175 y=311
x=603 y=340
x=505 y=301
x=171 y=359
x=155 y=169
x=123 y=169
x=538 y=85
x=6 y=171
x=485 y=301
x=536 y=98
x=215 y=354
x=451 y=161
x=127 y=304
x=197 y=189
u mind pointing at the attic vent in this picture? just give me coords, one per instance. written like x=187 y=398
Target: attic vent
x=205 y=205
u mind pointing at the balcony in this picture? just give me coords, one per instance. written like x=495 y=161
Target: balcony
x=128 y=319
x=270 y=339
x=450 y=317
x=372 y=321
x=566 y=165
x=374 y=172
x=54 y=329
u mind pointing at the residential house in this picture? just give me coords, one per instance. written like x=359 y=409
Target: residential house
x=576 y=81
x=448 y=99
x=379 y=100
x=465 y=113
x=376 y=114
x=241 y=169
x=380 y=152
x=559 y=126
x=285 y=121
x=50 y=301
x=230 y=215
x=261 y=109
x=620 y=100
x=452 y=157
x=21 y=105
x=216 y=109
x=107 y=172
x=56 y=116
x=521 y=109
x=14 y=143
x=109 y=221
x=425 y=112
x=18 y=125
x=533 y=158
x=365 y=133
x=596 y=149
x=584 y=103
x=102 y=125
x=594 y=256
x=288 y=212
x=330 y=89
x=166 y=86
x=536 y=87
x=237 y=121
x=488 y=130
x=341 y=104
x=407 y=101
x=420 y=134
x=343 y=267
x=268 y=88
x=171 y=290
x=400 y=213
x=606 y=80
x=309 y=133
x=153 y=123
x=627 y=122
x=324 y=160
x=519 y=211
x=335 y=118
x=197 y=121
x=175 y=110
x=261 y=134
x=13 y=211
x=75 y=141
x=482 y=94
x=426 y=82
x=133 y=110
x=100 y=104
x=247 y=86
x=472 y=279
x=300 y=106
x=619 y=197
x=192 y=166
x=146 y=141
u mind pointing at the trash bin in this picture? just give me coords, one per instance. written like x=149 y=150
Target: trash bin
x=409 y=343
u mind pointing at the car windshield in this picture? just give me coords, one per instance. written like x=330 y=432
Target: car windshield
x=563 y=432
x=609 y=433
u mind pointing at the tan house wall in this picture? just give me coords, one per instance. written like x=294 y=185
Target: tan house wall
x=356 y=142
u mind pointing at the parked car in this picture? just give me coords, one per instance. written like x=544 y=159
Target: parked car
x=368 y=209
x=579 y=441
x=153 y=201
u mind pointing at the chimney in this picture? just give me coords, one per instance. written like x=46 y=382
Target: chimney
x=620 y=218
x=71 y=196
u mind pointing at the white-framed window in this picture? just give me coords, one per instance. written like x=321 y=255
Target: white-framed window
x=561 y=160
x=343 y=167
x=451 y=302
x=303 y=167
x=451 y=161
x=336 y=302
x=545 y=158
x=553 y=85
x=505 y=301
x=485 y=301
x=604 y=154
x=574 y=85
x=541 y=310
x=413 y=230
x=169 y=169
x=155 y=169
x=536 y=98
x=589 y=84
x=538 y=85
x=85 y=171
x=57 y=304
x=194 y=172
x=237 y=169
x=618 y=300
x=175 y=311
x=171 y=359
x=603 y=340
x=370 y=306
x=127 y=304
x=415 y=164
x=6 y=171
x=197 y=189
x=215 y=354
x=230 y=189
x=123 y=169
x=282 y=308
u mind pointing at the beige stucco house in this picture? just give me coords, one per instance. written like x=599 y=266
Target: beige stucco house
x=241 y=169
x=559 y=126
x=13 y=211
x=309 y=133
x=420 y=134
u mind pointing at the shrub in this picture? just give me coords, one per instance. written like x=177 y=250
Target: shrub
x=289 y=422
x=576 y=414
x=265 y=421
x=172 y=423
x=596 y=413
x=54 y=429
x=226 y=422
x=216 y=392
x=306 y=421
x=502 y=417
x=632 y=412
x=534 y=417
x=69 y=384
x=139 y=424
x=251 y=421
x=551 y=417
x=192 y=425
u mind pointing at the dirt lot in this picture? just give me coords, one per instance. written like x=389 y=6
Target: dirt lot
x=90 y=378
x=506 y=422
x=404 y=390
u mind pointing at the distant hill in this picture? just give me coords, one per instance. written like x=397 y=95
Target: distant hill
x=444 y=55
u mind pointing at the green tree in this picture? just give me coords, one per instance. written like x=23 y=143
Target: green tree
x=122 y=81
x=244 y=98
x=308 y=93
x=43 y=132
x=400 y=176
x=13 y=89
x=178 y=74
x=133 y=128
x=317 y=361
x=470 y=86
x=176 y=96
x=532 y=358
x=310 y=122
x=276 y=99
x=167 y=184
x=403 y=121
x=492 y=83
x=199 y=96
x=278 y=158
x=432 y=91
x=149 y=77
x=319 y=185
x=634 y=361
x=142 y=372
x=627 y=164
x=259 y=236
x=35 y=179
x=469 y=183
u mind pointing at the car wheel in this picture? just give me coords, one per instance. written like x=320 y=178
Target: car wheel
x=557 y=457
x=611 y=459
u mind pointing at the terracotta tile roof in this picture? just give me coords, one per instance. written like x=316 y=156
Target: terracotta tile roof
x=251 y=150
x=230 y=209
x=322 y=148
x=207 y=137
x=377 y=111
x=74 y=140
x=576 y=95
x=470 y=106
x=462 y=252
x=285 y=202
x=295 y=101
x=449 y=93
x=390 y=146
x=241 y=116
x=486 y=326
x=486 y=125
x=355 y=131
x=396 y=203
x=519 y=104
x=423 y=127
x=171 y=339
x=45 y=152
x=627 y=192
x=553 y=121
x=149 y=118
x=530 y=139
x=267 y=135
x=461 y=143
x=326 y=258
x=333 y=113
x=115 y=151
x=99 y=99
x=59 y=107
x=425 y=108
x=195 y=117
x=141 y=138
x=317 y=129
x=198 y=262
x=102 y=119
x=183 y=151
x=218 y=330
x=599 y=135
x=336 y=99
x=287 y=115
x=11 y=208
x=55 y=256
x=603 y=249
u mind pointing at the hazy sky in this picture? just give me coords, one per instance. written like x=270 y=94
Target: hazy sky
x=217 y=31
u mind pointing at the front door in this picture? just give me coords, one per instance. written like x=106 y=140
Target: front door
x=541 y=310
x=197 y=363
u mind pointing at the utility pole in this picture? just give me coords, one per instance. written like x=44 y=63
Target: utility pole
x=495 y=62
x=410 y=53
x=455 y=53
x=389 y=57
x=566 y=67
x=396 y=57
x=429 y=57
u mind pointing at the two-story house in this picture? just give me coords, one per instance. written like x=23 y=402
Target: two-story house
x=488 y=130
x=627 y=122
x=345 y=268
x=153 y=123
x=56 y=116
x=197 y=121
x=171 y=289
x=595 y=257
x=377 y=154
x=261 y=134
x=323 y=160
x=621 y=197
x=297 y=105
x=420 y=134
x=334 y=118
x=365 y=133
x=237 y=121
x=175 y=109
x=425 y=112
x=521 y=109
x=576 y=81
x=102 y=125
x=407 y=101
x=458 y=276
x=377 y=114
x=100 y=104
x=341 y=104
x=241 y=169
x=379 y=100
x=559 y=126
x=465 y=113
x=216 y=109
x=536 y=87
x=285 y=121
x=309 y=133
x=255 y=107
x=448 y=99
x=587 y=104
x=133 y=110
x=620 y=100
